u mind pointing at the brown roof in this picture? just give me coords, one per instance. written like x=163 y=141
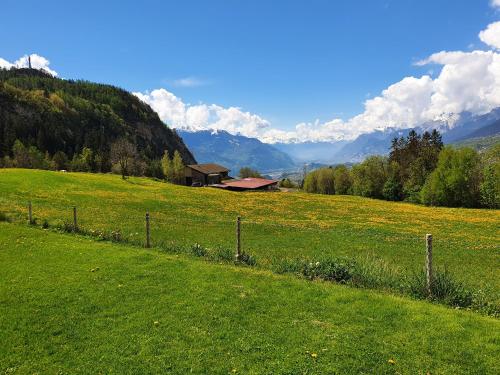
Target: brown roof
x=208 y=168
x=250 y=183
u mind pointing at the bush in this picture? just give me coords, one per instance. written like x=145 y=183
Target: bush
x=3 y=217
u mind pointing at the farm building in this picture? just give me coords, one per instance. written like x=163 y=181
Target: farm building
x=205 y=174
x=250 y=183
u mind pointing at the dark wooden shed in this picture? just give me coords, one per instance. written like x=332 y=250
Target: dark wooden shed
x=205 y=174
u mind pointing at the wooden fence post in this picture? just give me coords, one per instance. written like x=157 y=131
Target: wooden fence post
x=75 y=221
x=238 y=238
x=30 y=213
x=148 y=238
x=428 y=263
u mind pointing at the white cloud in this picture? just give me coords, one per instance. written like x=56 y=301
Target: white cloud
x=37 y=62
x=495 y=3
x=491 y=36
x=5 y=64
x=173 y=111
x=190 y=82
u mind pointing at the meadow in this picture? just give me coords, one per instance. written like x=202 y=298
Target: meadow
x=275 y=226
x=70 y=304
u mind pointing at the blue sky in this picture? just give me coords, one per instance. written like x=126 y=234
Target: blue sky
x=285 y=61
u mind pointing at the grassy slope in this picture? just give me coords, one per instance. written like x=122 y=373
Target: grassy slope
x=479 y=143
x=275 y=225
x=57 y=316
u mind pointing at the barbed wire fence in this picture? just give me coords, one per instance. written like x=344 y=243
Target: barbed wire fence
x=159 y=229
x=233 y=238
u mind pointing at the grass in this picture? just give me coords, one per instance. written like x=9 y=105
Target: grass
x=275 y=226
x=69 y=304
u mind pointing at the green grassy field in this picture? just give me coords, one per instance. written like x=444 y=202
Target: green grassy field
x=275 y=225
x=69 y=304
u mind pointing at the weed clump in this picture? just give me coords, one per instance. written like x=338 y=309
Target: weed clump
x=198 y=250
x=444 y=288
x=340 y=270
x=247 y=259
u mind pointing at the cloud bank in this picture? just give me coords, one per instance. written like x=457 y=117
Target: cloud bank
x=37 y=62
x=467 y=81
x=177 y=114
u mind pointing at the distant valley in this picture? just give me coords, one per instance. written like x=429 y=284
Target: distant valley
x=236 y=151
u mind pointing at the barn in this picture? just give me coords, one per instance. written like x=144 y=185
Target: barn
x=205 y=174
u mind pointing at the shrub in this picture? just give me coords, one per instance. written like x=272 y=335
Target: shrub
x=4 y=217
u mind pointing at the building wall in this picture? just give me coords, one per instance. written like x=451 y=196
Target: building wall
x=193 y=176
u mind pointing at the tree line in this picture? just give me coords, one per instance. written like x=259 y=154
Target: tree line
x=123 y=159
x=419 y=169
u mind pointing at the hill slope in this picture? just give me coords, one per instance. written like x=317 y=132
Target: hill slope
x=71 y=305
x=488 y=131
x=481 y=144
x=63 y=115
x=235 y=151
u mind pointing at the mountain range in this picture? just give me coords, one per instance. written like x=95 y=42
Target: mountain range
x=237 y=151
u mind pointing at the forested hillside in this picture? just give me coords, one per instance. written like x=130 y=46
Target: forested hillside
x=66 y=117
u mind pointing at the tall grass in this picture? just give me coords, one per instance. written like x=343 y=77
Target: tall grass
x=376 y=274
x=369 y=273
